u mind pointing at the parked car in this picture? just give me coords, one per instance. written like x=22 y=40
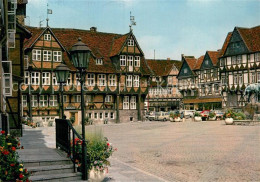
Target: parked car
x=205 y=115
x=188 y=113
x=219 y=114
x=162 y=116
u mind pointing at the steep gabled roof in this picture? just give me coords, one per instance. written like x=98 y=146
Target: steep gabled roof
x=251 y=37
x=161 y=67
x=224 y=47
x=214 y=55
x=199 y=61
x=191 y=61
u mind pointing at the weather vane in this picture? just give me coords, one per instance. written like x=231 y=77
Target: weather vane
x=49 y=11
x=132 y=21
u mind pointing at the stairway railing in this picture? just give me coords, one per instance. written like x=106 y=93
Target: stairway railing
x=65 y=138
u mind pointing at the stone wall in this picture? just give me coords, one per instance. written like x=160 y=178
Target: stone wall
x=128 y=116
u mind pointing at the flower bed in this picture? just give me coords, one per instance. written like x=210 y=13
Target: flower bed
x=11 y=169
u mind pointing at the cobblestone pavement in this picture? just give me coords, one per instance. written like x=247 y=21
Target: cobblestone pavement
x=188 y=151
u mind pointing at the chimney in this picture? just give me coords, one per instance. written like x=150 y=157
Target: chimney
x=93 y=29
x=168 y=59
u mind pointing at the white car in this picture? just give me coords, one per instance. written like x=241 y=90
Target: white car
x=188 y=113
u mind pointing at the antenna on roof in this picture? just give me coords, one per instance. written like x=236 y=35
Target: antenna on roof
x=49 y=11
x=132 y=22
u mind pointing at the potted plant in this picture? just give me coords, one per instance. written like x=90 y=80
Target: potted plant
x=197 y=116
x=229 y=115
x=176 y=117
x=212 y=116
x=171 y=117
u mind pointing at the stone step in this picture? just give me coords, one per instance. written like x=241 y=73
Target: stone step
x=45 y=162
x=57 y=177
x=52 y=169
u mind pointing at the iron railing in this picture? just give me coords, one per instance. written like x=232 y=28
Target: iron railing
x=65 y=138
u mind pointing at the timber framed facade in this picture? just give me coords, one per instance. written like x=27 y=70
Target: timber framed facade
x=116 y=80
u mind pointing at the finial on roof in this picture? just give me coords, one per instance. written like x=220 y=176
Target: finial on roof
x=49 y=11
x=132 y=22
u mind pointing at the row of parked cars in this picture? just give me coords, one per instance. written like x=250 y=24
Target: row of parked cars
x=165 y=116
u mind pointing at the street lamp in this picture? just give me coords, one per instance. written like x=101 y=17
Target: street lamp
x=30 y=68
x=62 y=73
x=80 y=54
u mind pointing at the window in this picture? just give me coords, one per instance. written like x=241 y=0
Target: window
x=34 y=101
x=234 y=60
x=126 y=102
x=69 y=79
x=43 y=100
x=35 y=78
x=26 y=78
x=26 y=61
x=57 y=56
x=95 y=115
x=122 y=60
x=129 y=80
x=90 y=115
x=137 y=61
x=185 y=70
x=240 y=79
x=252 y=77
x=223 y=81
x=106 y=115
x=91 y=79
x=53 y=100
x=206 y=62
x=7 y=84
x=101 y=115
x=77 y=79
x=46 y=78
x=257 y=56
x=239 y=59
x=131 y=42
x=46 y=55
x=99 y=61
x=36 y=55
x=112 y=115
x=102 y=79
x=54 y=79
x=112 y=80
x=108 y=98
x=235 y=79
x=136 y=80
x=24 y=100
x=65 y=100
x=133 y=102
x=77 y=98
x=47 y=37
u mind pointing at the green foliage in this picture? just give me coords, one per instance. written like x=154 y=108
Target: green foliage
x=239 y=116
x=229 y=114
x=11 y=169
x=197 y=114
x=212 y=114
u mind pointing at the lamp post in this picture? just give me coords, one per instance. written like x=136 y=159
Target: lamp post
x=80 y=54
x=62 y=73
x=30 y=93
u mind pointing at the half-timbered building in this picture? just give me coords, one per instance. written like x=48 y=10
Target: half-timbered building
x=116 y=80
x=239 y=64
x=163 y=91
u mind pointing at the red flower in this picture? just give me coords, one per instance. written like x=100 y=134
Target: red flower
x=108 y=144
x=25 y=170
x=13 y=148
x=19 y=144
x=21 y=176
x=2 y=132
x=5 y=152
x=12 y=165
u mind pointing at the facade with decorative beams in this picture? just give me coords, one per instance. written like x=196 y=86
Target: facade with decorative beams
x=163 y=90
x=240 y=65
x=115 y=84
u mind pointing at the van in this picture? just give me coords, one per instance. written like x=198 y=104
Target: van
x=162 y=116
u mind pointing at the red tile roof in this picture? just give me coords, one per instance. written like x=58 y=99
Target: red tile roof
x=251 y=36
x=224 y=47
x=162 y=67
x=191 y=61
x=214 y=55
x=198 y=63
x=103 y=45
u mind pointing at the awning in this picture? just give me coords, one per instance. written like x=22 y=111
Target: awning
x=200 y=100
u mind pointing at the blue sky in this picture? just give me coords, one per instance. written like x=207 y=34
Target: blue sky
x=171 y=27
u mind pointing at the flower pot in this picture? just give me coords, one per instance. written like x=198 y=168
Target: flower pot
x=212 y=119
x=97 y=175
x=177 y=119
x=229 y=121
x=197 y=118
x=171 y=119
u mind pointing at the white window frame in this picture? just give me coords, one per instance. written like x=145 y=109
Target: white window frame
x=101 y=115
x=35 y=78
x=112 y=80
x=77 y=98
x=131 y=42
x=47 y=37
x=122 y=60
x=136 y=80
x=53 y=100
x=24 y=100
x=36 y=55
x=137 y=61
x=99 y=61
x=108 y=98
x=47 y=54
x=95 y=115
x=43 y=101
x=57 y=56
x=26 y=62
x=34 y=101
x=69 y=79
x=101 y=80
x=46 y=78
x=54 y=79
x=129 y=80
x=91 y=79
x=133 y=102
x=26 y=77
x=126 y=102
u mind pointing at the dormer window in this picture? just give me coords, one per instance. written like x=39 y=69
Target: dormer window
x=47 y=37
x=99 y=61
x=206 y=62
x=185 y=70
x=131 y=42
